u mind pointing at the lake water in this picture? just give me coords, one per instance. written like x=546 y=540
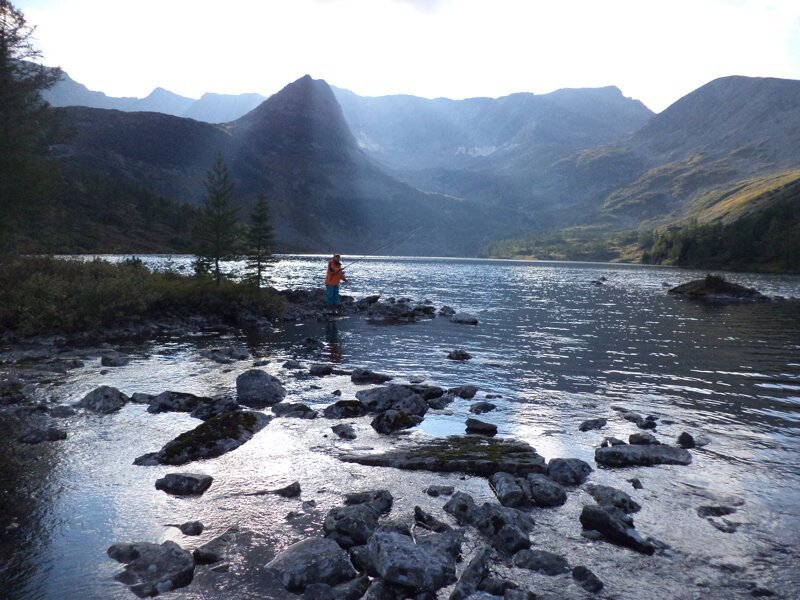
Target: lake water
x=558 y=350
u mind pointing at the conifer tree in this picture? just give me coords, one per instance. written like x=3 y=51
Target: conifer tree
x=260 y=241
x=215 y=231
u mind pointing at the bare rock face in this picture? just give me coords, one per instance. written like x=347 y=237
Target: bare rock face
x=153 y=569
x=104 y=400
x=257 y=389
x=311 y=561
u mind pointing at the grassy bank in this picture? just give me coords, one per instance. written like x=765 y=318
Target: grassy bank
x=46 y=295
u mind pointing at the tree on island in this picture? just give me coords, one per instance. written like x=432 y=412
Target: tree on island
x=260 y=241
x=27 y=123
x=215 y=231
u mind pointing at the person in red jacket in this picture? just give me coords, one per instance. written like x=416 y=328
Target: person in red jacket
x=333 y=278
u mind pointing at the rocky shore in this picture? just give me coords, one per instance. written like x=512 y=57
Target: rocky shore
x=456 y=546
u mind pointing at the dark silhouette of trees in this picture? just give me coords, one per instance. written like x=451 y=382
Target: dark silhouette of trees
x=260 y=241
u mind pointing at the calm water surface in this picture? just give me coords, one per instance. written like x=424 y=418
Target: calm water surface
x=556 y=348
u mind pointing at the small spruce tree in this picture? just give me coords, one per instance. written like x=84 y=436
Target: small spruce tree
x=260 y=240
x=215 y=231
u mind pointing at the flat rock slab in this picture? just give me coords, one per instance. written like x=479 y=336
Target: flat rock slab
x=211 y=438
x=632 y=455
x=152 y=569
x=460 y=454
x=184 y=484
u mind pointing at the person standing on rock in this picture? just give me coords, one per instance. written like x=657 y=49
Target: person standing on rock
x=333 y=278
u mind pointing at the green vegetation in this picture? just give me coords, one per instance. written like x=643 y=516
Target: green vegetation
x=48 y=295
x=580 y=244
x=260 y=241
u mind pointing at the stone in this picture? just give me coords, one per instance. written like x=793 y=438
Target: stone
x=292 y=365
x=441 y=402
x=313 y=560
x=636 y=483
x=191 y=528
x=507 y=529
x=140 y=398
x=641 y=456
x=464 y=391
x=290 y=491
x=37 y=436
x=62 y=411
x=716 y=289
x=472 y=575
x=226 y=355
x=351 y=525
x=606 y=496
x=398 y=560
x=364 y=376
x=541 y=561
x=210 y=439
x=592 y=424
x=184 y=484
x=464 y=318
x=350 y=590
x=175 y=402
x=587 y=580
x=545 y=492
x=507 y=490
x=114 y=360
x=447 y=311
x=715 y=511
x=319 y=370
x=480 y=427
x=639 y=420
x=221 y=547
x=482 y=407
x=612 y=441
x=344 y=431
x=214 y=407
x=345 y=409
x=568 y=471
x=391 y=421
x=152 y=569
x=394 y=396
x=460 y=355
x=428 y=521
x=643 y=439
x=104 y=400
x=439 y=490
x=475 y=455
x=614 y=529
x=685 y=440
x=258 y=389
x=295 y=410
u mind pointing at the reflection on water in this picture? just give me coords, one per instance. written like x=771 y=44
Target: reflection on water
x=555 y=348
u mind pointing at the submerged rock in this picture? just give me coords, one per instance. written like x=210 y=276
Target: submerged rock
x=631 y=455
x=114 y=360
x=314 y=560
x=364 y=376
x=592 y=424
x=460 y=355
x=320 y=370
x=221 y=547
x=606 y=495
x=434 y=491
x=152 y=569
x=104 y=399
x=184 y=484
x=716 y=288
x=614 y=529
x=464 y=319
x=258 y=389
x=464 y=391
x=482 y=407
x=62 y=411
x=211 y=438
x=465 y=454
x=226 y=355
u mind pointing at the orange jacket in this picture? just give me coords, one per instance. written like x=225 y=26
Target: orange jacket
x=335 y=274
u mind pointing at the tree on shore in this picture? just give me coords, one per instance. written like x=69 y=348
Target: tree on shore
x=27 y=123
x=215 y=231
x=260 y=241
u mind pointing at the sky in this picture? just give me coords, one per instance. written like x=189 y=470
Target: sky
x=654 y=50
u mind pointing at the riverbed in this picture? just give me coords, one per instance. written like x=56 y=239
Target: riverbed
x=554 y=347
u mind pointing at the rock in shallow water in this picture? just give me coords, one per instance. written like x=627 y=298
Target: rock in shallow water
x=257 y=389
x=541 y=561
x=608 y=496
x=364 y=376
x=568 y=471
x=482 y=407
x=37 y=436
x=391 y=421
x=152 y=569
x=587 y=580
x=345 y=432
x=614 y=529
x=314 y=560
x=460 y=355
x=592 y=424
x=641 y=455
x=464 y=318
x=345 y=409
x=104 y=400
x=393 y=397
x=481 y=427
x=397 y=559
x=295 y=410
x=184 y=484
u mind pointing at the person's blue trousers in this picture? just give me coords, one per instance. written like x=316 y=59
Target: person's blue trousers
x=332 y=295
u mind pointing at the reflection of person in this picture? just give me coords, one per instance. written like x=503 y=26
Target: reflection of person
x=333 y=278
x=332 y=337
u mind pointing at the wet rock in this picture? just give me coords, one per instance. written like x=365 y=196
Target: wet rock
x=364 y=376
x=508 y=490
x=643 y=439
x=464 y=391
x=715 y=511
x=636 y=483
x=380 y=500
x=614 y=529
x=441 y=402
x=258 y=389
x=428 y=392
x=114 y=360
x=641 y=456
x=568 y=471
x=152 y=569
x=717 y=289
x=345 y=409
x=587 y=580
x=226 y=355
x=62 y=411
x=464 y=319
x=541 y=561
x=104 y=399
x=314 y=560
x=482 y=407
x=37 y=436
x=351 y=525
x=396 y=397
x=593 y=424
x=292 y=365
x=439 y=490
x=473 y=575
x=184 y=484
x=465 y=454
x=640 y=421
x=506 y=528
x=221 y=547
x=350 y=590
x=320 y=370
x=191 y=528
x=428 y=521
x=545 y=492
x=294 y=410
x=480 y=427
x=460 y=355
x=398 y=560
x=290 y=491
x=391 y=421
x=761 y=592
x=214 y=407
x=344 y=431
x=175 y=402
x=724 y=525
x=140 y=398
x=612 y=441
x=211 y=438
x=608 y=496
x=447 y=311
x=685 y=440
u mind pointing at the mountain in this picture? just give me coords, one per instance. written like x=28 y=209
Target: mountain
x=222 y=108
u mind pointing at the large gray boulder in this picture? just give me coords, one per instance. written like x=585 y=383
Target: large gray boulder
x=398 y=560
x=606 y=496
x=541 y=561
x=390 y=421
x=506 y=528
x=543 y=491
x=175 y=402
x=345 y=409
x=153 y=569
x=314 y=560
x=634 y=455
x=257 y=389
x=104 y=399
x=351 y=525
x=393 y=397
x=615 y=528
x=568 y=471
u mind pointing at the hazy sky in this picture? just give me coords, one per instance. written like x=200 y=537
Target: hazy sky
x=653 y=50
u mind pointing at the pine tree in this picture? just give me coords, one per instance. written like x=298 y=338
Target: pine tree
x=260 y=240
x=215 y=231
x=27 y=123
